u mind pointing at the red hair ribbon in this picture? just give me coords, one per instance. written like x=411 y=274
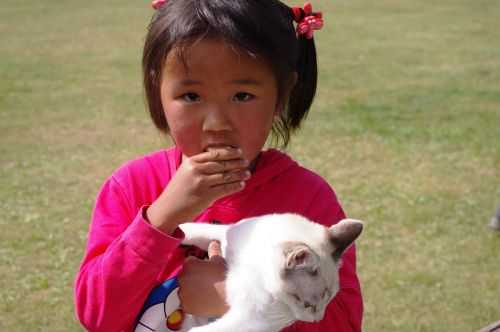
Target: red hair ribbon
x=157 y=4
x=307 y=20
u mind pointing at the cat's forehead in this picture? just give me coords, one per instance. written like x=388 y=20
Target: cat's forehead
x=328 y=243
x=288 y=245
x=329 y=239
x=316 y=240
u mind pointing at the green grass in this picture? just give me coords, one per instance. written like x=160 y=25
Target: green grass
x=406 y=127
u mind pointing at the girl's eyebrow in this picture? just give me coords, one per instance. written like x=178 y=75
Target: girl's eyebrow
x=244 y=81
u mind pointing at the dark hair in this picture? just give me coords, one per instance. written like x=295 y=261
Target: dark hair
x=262 y=28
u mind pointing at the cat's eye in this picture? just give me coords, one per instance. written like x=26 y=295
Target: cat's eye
x=296 y=297
x=314 y=273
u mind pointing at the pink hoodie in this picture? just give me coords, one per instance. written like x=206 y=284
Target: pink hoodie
x=126 y=257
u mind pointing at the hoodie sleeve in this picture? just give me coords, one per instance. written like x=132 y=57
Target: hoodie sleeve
x=121 y=263
x=345 y=311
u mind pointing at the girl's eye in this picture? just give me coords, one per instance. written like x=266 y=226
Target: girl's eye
x=243 y=96
x=191 y=97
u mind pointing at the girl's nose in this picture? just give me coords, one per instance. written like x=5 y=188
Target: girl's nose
x=216 y=119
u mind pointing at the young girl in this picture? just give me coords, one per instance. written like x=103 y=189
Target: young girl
x=219 y=76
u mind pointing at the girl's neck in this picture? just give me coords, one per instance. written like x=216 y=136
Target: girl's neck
x=253 y=165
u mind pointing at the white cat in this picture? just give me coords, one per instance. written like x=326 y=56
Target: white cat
x=281 y=268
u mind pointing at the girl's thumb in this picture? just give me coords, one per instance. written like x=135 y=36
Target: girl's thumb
x=215 y=251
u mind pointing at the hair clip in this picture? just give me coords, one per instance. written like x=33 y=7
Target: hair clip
x=157 y=4
x=307 y=20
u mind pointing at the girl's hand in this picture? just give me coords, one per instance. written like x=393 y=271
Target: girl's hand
x=200 y=180
x=202 y=284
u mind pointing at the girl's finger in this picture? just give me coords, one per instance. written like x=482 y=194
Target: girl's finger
x=215 y=253
x=226 y=178
x=214 y=249
x=218 y=154
x=213 y=167
x=228 y=188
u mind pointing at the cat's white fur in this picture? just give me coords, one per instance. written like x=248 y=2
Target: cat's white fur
x=281 y=268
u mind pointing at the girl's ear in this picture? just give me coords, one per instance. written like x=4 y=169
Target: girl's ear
x=286 y=93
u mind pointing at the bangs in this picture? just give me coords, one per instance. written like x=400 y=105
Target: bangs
x=247 y=25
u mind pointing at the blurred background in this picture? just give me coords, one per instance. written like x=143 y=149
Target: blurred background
x=405 y=127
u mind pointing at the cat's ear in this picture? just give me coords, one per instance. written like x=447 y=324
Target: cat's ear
x=298 y=256
x=343 y=234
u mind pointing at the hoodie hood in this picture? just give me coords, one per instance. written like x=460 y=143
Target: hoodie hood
x=271 y=164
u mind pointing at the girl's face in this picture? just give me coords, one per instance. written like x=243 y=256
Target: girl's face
x=218 y=97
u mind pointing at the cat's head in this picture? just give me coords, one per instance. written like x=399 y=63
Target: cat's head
x=310 y=271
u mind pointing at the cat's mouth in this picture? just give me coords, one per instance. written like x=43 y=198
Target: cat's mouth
x=311 y=313
x=314 y=317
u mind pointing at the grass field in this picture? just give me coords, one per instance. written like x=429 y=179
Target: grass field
x=406 y=127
